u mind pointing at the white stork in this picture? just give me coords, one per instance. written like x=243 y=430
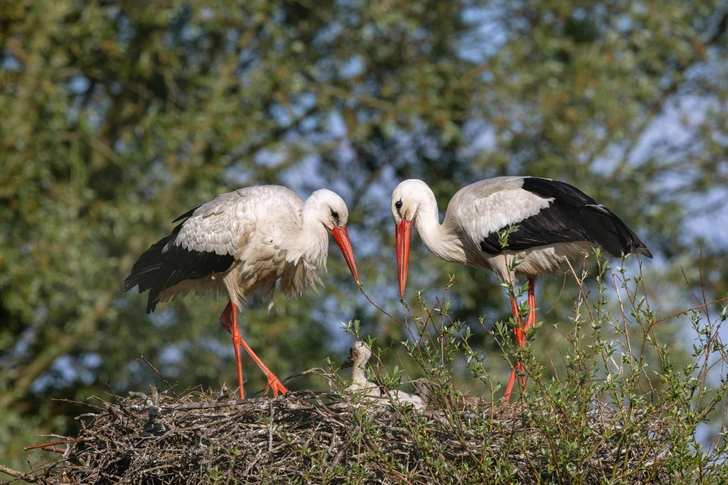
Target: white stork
x=242 y=243
x=554 y=221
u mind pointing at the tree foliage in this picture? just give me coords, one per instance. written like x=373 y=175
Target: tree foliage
x=116 y=117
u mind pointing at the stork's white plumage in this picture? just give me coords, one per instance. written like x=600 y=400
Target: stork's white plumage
x=555 y=221
x=242 y=243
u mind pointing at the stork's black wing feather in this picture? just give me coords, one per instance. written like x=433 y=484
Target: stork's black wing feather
x=570 y=216
x=180 y=264
x=165 y=264
x=145 y=270
x=185 y=216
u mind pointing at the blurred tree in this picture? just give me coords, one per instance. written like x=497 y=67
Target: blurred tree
x=116 y=117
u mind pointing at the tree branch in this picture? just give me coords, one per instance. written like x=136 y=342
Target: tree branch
x=15 y=473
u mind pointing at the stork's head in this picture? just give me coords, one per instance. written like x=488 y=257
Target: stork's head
x=359 y=355
x=330 y=210
x=406 y=201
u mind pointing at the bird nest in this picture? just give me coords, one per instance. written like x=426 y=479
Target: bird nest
x=326 y=437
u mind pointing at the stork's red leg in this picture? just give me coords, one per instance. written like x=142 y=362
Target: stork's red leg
x=509 y=386
x=520 y=341
x=274 y=384
x=531 y=320
x=231 y=325
x=520 y=332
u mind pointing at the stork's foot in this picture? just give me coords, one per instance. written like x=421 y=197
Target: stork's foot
x=229 y=320
x=275 y=385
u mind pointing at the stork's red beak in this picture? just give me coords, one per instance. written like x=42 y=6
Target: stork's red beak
x=341 y=236
x=403 y=233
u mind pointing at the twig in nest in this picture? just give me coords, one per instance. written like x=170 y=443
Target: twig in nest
x=53 y=443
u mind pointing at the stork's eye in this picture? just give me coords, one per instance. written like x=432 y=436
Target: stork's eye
x=334 y=214
x=398 y=204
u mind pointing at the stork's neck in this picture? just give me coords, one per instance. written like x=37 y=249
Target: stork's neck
x=313 y=241
x=358 y=376
x=440 y=239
